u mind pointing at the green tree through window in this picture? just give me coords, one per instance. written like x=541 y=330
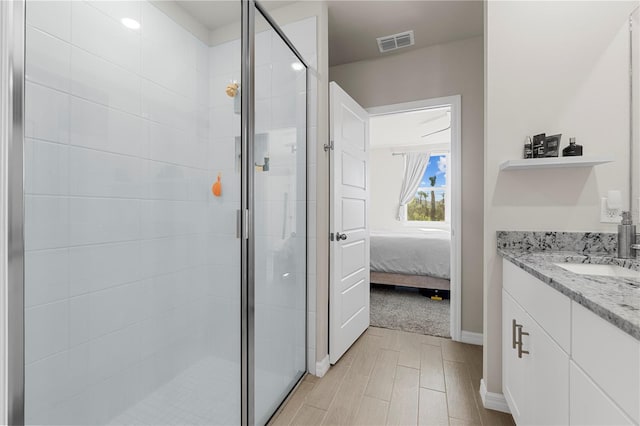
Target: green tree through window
x=429 y=203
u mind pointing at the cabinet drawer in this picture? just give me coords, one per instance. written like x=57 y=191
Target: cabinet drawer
x=548 y=307
x=588 y=405
x=609 y=356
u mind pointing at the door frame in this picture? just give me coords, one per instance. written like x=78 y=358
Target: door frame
x=455 y=102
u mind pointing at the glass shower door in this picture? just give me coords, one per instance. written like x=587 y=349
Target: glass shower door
x=634 y=28
x=280 y=219
x=132 y=184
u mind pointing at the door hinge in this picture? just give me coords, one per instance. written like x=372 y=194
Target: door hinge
x=331 y=237
x=328 y=146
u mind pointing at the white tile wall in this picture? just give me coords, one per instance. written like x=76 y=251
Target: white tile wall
x=46 y=113
x=102 y=35
x=101 y=128
x=47 y=171
x=128 y=253
x=54 y=17
x=48 y=273
x=96 y=79
x=132 y=266
x=50 y=60
x=46 y=222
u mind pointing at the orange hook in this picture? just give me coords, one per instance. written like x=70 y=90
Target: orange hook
x=217 y=186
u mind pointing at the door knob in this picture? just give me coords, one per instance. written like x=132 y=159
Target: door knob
x=340 y=236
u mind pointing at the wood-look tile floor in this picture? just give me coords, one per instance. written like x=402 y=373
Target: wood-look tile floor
x=391 y=377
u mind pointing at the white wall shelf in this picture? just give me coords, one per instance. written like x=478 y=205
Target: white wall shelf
x=556 y=162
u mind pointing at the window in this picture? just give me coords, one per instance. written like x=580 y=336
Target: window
x=432 y=197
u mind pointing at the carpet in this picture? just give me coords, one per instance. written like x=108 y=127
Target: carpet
x=403 y=308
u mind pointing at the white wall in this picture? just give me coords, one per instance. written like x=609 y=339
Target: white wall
x=443 y=70
x=554 y=67
x=386 y=181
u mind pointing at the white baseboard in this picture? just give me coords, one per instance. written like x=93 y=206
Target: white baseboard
x=492 y=400
x=471 y=338
x=322 y=366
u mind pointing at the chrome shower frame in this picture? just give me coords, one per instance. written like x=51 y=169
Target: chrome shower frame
x=12 y=60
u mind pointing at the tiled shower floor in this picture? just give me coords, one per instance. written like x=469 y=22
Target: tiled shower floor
x=205 y=394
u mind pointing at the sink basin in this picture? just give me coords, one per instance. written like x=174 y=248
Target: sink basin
x=604 y=270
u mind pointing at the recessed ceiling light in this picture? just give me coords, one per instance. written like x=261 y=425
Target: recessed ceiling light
x=130 y=23
x=297 y=66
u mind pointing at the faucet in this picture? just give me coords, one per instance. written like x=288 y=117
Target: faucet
x=627 y=246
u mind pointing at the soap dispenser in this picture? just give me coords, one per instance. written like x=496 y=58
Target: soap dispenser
x=626 y=236
x=573 y=150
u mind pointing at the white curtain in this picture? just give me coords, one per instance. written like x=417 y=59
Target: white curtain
x=415 y=163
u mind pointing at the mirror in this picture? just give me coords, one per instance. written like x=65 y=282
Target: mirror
x=634 y=33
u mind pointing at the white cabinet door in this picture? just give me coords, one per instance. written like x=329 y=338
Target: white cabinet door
x=609 y=356
x=513 y=368
x=546 y=378
x=535 y=384
x=590 y=405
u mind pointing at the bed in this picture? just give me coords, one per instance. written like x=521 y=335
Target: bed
x=416 y=258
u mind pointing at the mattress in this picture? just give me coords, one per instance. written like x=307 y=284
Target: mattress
x=419 y=252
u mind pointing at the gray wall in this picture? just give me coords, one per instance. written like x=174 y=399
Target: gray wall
x=454 y=68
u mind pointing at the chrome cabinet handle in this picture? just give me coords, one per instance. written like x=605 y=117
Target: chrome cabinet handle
x=520 y=334
x=340 y=237
x=514 y=342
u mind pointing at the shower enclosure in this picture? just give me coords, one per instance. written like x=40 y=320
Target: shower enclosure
x=158 y=236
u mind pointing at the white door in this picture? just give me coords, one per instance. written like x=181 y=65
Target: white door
x=349 y=222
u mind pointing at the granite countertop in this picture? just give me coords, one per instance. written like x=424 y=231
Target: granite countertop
x=617 y=300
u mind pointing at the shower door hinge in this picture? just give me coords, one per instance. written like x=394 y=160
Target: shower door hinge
x=238 y=224
x=246 y=224
x=328 y=146
x=242 y=228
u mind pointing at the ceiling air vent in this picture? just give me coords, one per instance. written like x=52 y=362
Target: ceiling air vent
x=396 y=41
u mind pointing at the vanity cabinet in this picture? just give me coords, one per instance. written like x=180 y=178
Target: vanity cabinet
x=535 y=369
x=561 y=363
x=589 y=405
x=611 y=359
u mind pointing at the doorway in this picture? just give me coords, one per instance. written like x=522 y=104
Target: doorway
x=351 y=157
x=415 y=216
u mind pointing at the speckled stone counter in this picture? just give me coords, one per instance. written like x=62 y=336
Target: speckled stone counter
x=617 y=300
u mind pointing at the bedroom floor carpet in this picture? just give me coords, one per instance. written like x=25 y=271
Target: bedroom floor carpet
x=406 y=309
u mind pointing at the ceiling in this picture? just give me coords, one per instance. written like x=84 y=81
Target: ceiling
x=218 y=13
x=354 y=25
x=409 y=128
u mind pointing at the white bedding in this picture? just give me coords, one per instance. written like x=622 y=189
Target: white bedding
x=419 y=252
